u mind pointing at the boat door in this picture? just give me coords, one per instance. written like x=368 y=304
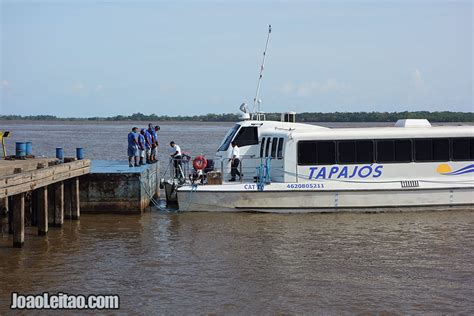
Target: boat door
x=273 y=147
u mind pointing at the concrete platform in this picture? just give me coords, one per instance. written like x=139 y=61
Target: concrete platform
x=114 y=187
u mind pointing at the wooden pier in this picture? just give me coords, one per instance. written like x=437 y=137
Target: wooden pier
x=46 y=188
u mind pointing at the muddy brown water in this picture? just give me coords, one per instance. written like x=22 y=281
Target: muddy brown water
x=242 y=263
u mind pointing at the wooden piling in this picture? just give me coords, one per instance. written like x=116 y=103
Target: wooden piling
x=4 y=215
x=11 y=216
x=51 y=208
x=59 y=204
x=75 y=199
x=18 y=220
x=42 y=204
x=67 y=199
x=34 y=208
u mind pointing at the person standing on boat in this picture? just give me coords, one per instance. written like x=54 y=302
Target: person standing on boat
x=132 y=150
x=177 y=156
x=234 y=162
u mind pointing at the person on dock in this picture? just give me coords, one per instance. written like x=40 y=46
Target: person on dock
x=148 y=144
x=132 y=150
x=176 y=154
x=157 y=129
x=234 y=162
x=142 y=146
x=154 y=143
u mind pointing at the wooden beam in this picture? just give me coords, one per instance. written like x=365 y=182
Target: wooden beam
x=41 y=173
x=31 y=185
x=75 y=200
x=42 y=202
x=59 y=204
x=18 y=220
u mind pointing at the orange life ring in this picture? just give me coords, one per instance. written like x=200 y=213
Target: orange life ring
x=199 y=163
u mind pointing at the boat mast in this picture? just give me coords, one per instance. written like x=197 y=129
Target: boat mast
x=256 y=103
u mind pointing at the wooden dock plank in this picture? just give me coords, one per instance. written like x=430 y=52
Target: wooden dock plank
x=37 y=174
x=30 y=180
x=32 y=185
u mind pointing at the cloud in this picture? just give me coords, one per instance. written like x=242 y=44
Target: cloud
x=4 y=84
x=82 y=89
x=166 y=88
x=312 y=88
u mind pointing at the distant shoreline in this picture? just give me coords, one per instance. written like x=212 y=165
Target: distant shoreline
x=342 y=117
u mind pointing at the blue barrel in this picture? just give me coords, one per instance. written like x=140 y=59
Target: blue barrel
x=60 y=153
x=80 y=153
x=29 y=148
x=20 y=149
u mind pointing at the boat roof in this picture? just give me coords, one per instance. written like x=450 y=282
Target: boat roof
x=309 y=131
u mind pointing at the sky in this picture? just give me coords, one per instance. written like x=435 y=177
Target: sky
x=103 y=58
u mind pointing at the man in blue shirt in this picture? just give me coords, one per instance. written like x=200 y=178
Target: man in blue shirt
x=148 y=144
x=141 y=145
x=154 y=143
x=132 y=150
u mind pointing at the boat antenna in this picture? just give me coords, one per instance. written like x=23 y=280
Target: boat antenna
x=256 y=102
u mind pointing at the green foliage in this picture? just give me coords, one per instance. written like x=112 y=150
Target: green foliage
x=445 y=116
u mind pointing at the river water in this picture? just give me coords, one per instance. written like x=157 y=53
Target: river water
x=242 y=263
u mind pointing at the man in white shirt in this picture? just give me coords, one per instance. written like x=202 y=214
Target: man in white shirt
x=175 y=151
x=234 y=163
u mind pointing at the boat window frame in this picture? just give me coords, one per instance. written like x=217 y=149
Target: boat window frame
x=247 y=141
x=298 y=157
x=262 y=147
x=281 y=141
x=274 y=147
x=469 y=149
x=267 y=146
x=228 y=138
x=394 y=143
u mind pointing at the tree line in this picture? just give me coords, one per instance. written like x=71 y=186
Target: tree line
x=445 y=116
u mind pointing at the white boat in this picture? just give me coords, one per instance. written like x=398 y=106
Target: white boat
x=293 y=167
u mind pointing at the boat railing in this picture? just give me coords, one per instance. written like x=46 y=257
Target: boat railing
x=250 y=166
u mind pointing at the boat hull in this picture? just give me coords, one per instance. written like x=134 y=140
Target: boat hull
x=326 y=201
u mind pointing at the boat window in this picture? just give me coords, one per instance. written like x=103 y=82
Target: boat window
x=267 y=147
x=326 y=152
x=274 y=146
x=316 y=152
x=471 y=145
x=461 y=150
x=307 y=153
x=364 y=151
x=262 y=145
x=423 y=150
x=385 y=151
x=280 y=148
x=346 y=152
x=247 y=136
x=403 y=150
x=228 y=138
x=440 y=149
